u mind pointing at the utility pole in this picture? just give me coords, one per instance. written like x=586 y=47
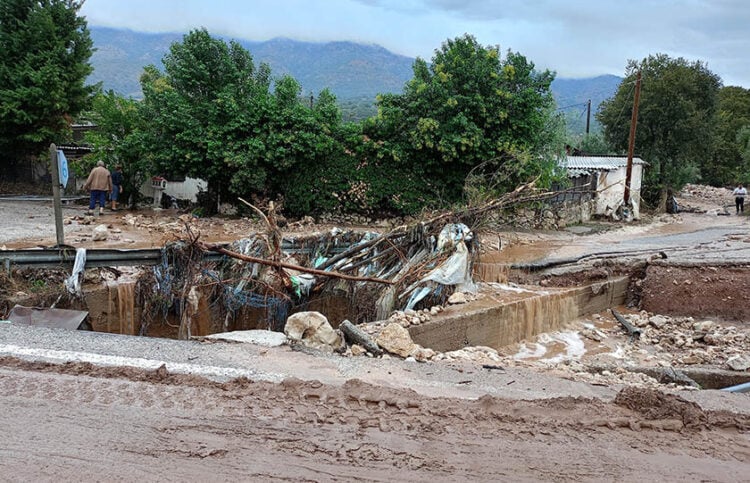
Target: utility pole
x=311 y=100
x=588 y=116
x=56 y=195
x=631 y=141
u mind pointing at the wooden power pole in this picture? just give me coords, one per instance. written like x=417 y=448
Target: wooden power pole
x=631 y=140
x=588 y=116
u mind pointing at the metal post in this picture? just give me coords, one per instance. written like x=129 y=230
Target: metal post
x=56 y=196
x=631 y=141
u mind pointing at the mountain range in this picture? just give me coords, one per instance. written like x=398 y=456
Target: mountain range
x=354 y=72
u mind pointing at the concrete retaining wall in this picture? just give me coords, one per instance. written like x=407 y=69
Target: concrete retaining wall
x=509 y=323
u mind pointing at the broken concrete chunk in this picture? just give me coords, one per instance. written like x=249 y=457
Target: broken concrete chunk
x=457 y=298
x=312 y=330
x=396 y=340
x=265 y=338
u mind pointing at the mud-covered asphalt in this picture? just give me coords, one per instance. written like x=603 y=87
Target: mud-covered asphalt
x=336 y=419
x=86 y=423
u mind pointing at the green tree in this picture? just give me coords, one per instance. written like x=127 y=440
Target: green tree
x=727 y=165
x=469 y=107
x=45 y=47
x=200 y=110
x=677 y=106
x=117 y=139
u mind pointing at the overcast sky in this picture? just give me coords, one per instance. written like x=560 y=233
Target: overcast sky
x=576 y=38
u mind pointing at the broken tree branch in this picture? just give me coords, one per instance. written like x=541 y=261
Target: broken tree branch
x=277 y=264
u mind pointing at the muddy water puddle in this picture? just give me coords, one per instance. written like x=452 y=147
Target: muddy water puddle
x=577 y=342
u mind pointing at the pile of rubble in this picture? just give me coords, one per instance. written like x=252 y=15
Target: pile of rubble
x=685 y=341
x=706 y=194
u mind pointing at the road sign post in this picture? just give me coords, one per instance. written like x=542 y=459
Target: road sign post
x=57 y=202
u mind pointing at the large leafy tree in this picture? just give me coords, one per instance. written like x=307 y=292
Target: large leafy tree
x=675 y=120
x=470 y=107
x=44 y=60
x=727 y=165
x=213 y=115
x=196 y=111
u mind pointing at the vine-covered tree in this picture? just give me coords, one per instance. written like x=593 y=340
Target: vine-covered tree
x=44 y=61
x=675 y=120
x=469 y=107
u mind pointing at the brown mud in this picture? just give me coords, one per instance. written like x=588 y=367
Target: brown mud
x=85 y=422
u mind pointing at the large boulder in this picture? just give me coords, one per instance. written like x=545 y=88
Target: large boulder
x=396 y=340
x=312 y=330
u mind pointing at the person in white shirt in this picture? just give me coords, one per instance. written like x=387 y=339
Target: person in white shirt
x=739 y=198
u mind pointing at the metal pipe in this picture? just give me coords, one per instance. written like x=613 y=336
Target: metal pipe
x=738 y=388
x=634 y=332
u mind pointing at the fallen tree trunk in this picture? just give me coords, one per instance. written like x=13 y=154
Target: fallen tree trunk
x=271 y=263
x=355 y=335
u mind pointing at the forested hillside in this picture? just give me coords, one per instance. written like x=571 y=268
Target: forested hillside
x=354 y=72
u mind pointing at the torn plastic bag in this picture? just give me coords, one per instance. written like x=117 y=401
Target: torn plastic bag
x=73 y=283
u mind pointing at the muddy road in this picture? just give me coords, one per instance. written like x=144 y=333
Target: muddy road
x=85 y=423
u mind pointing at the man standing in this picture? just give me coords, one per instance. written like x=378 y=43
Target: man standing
x=117 y=180
x=99 y=183
x=739 y=198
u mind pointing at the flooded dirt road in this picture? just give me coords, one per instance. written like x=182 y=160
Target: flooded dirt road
x=85 y=423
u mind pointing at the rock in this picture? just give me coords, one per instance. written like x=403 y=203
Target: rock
x=87 y=220
x=100 y=233
x=434 y=310
x=423 y=354
x=658 y=321
x=739 y=363
x=396 y=340
x=457 y=298
x=358 y=350
x=312 y=330
x=705 y=326
x=594 y=334
x=691 y=359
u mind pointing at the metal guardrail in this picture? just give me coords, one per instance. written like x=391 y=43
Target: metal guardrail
x=50 y=258
x=105 y=257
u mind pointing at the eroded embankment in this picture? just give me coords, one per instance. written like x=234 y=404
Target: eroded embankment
x=698 y=290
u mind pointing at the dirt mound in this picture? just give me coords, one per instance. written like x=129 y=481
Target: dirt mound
x=653 y=404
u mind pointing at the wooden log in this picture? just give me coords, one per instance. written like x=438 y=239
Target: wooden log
x=355 y=335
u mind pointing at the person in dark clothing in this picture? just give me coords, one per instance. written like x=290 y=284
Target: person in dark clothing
x=117 y=180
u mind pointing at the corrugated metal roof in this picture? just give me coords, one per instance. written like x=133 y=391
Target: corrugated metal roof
x=599 y=162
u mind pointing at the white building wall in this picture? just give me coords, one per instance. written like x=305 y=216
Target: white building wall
x=611 y=190
x=182 y=190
